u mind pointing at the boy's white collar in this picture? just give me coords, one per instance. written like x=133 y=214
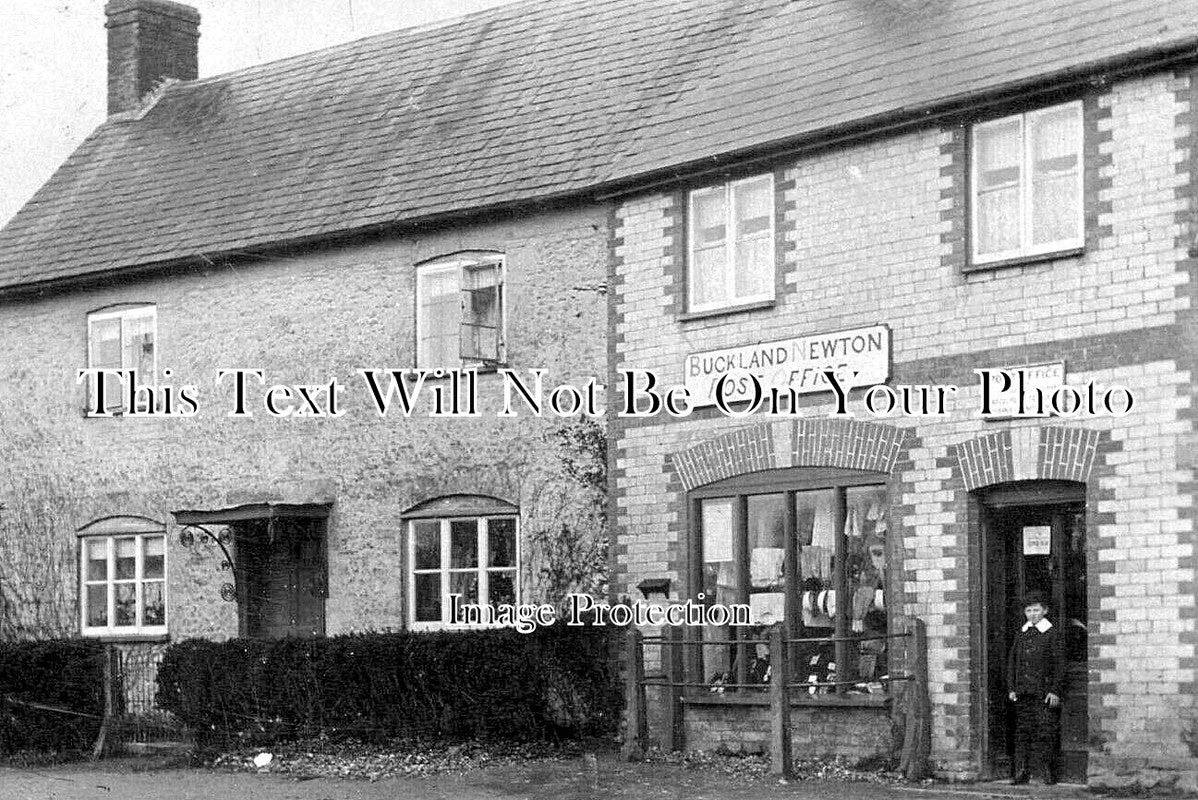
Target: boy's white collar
x=1043 y=625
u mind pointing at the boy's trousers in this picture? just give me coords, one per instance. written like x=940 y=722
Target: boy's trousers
x=1037 y=736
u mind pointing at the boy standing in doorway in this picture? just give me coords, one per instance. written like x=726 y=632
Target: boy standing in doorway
x=1035 y=671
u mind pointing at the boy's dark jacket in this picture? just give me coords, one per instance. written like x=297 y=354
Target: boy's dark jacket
x=1037 y=662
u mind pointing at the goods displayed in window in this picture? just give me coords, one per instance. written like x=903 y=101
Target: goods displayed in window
x=838 y=539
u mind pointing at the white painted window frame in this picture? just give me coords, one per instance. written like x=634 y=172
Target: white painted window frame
x=457 y=263
x=482 y=570
x=123 y=313
x=1026 y=249
x=139 y=580
x=730 y=265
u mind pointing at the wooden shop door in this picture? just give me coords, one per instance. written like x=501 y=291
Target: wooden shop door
x=1035 y=540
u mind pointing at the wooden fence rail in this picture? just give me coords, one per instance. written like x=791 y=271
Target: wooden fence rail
x=913 y=706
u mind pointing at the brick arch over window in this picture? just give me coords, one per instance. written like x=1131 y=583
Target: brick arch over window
x=1046 y=453
x=848 y=444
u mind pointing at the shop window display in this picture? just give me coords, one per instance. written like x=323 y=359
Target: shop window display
x=836 y=536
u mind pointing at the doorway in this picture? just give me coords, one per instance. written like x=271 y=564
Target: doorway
x=281 y=581
x=1035 y=540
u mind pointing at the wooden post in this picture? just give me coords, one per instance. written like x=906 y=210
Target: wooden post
x=917 y=741
x=780 y=763
x=843 y=608
x=637 y=733
x=111 y=670
x=673 y=665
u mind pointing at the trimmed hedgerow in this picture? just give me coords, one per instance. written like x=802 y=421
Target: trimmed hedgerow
x=64 y=674
x=494 y=684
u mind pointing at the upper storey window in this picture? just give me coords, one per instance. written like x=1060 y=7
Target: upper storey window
x=460 y=311
x=124 y=338
x=731 y=255
x=1026 y=178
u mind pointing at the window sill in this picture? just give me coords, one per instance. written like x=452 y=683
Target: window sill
x=480 y=369
x=1022 y=261
x=127 y=638
x=759 y=305
x=852 y=700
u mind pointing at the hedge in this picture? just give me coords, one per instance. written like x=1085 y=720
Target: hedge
x=495 y=684
x=64 y=674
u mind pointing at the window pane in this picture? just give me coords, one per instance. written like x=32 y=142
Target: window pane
x=464 y=584
x=428 y=544
x=106 y=343
x=97 y=606
x=867 y=524
x=998 y=221
x=440 y=317
x=719 y=583
x=754 y=267
x=126 y=559
x=707 y=275
x=501 y=544
x=1056 y=215
x=709 y=218
x=1056 y=196
x=481 y=302
x=998 y=150
x=766 y=552
x=753 y=207
x=105 y=346
x=138 y=346
x=718 y=561
x=463 y=543
x=815 y=530
x=97 y=559
x=154 y=606
x=1054 y=139
x=154 y=557
x=126 y=604
x=503 y=587
x=428 y=598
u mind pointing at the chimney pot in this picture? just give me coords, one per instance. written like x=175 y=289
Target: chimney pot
x=148 y=42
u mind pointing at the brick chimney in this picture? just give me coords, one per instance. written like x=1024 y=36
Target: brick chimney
x=148 y=41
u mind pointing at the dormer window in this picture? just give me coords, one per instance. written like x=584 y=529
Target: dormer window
x=460 y=311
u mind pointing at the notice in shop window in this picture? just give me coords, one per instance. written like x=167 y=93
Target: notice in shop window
x=1037 y=540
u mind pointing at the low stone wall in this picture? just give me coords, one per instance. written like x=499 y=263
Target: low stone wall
x=819 y=728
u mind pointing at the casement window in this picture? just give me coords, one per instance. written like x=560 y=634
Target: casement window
x=460 y=311
x=730 y=259
x=461 y=545
x=124 y=338
x=1026 y=179
x=123 y=577
x=832 y=528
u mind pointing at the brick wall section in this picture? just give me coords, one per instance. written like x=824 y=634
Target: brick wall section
x=878 y=235
x=853 y=733
x=306 y=318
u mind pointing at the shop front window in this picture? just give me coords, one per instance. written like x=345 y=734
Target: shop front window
x=810 y=557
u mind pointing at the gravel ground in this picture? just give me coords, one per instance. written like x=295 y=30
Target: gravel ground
x=556 y=775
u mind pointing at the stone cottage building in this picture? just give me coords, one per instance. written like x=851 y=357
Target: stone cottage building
x=896 y=193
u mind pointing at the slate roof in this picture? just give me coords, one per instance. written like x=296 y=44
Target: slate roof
x=528 y=102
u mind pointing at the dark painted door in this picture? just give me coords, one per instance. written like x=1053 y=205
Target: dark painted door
x=283 y=567
x=1037 y=548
